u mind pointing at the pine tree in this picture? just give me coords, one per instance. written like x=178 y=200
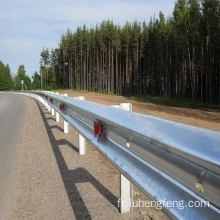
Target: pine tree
x=174 y=57
x=5 y=77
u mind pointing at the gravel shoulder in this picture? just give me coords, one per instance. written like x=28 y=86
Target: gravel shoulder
x=54 y=182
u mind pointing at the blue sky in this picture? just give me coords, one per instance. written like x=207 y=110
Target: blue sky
x=27 y=26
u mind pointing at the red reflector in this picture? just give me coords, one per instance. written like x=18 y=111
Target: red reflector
x=97 y=128
x=61 y=107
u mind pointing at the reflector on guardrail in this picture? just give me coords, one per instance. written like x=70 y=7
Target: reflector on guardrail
x=97 y=129
x=61 y=107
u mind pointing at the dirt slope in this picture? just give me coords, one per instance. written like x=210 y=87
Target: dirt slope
x=209 y=119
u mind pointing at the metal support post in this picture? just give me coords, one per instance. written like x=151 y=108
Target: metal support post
x=82 y=140
x=126 y=199
x=57 y=114
x=66 y=124
x=82 y=145
x=66 y=128
x=57 y=117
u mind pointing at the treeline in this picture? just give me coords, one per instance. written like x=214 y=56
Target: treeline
x=178 y=56
x=9 y=82
x=5 y=77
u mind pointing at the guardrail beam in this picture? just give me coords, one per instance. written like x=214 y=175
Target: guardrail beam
x=152 y=153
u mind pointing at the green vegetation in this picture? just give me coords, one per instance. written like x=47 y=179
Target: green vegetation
x=21 y=75
x=5 y=77
x=36 y=83
x=170 y=61
x=174 y=102
x=7 y=82
x=174 y=58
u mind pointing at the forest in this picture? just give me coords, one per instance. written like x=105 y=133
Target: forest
x=177 y=57
x=170 y=57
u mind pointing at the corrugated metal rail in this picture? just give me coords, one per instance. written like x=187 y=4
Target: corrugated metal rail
x=166 y=160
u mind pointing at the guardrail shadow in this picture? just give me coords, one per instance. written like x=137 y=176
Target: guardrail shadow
x=56 y=126
x=51 y=118
x=72 y=177
x=66 y=142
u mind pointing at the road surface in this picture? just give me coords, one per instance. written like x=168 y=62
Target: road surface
x=12 y=119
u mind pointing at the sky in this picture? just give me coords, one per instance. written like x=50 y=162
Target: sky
x=26 y=26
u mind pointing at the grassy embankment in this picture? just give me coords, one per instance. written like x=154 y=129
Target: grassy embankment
x=174 y=102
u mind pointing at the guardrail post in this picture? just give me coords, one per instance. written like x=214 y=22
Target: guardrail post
x=126 y=199
x=57 y=117
x=65 y=125
x=52 y=109
x=57 y=114
x=82 y=140
x=82 y=145
x=46 y=104
x=66 y=128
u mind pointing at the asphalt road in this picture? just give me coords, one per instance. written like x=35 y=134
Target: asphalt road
x=12 y=119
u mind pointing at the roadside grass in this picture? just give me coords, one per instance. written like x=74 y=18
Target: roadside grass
x=174 y=102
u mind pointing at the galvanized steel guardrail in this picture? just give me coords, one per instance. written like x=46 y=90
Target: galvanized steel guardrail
x=168 y=161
